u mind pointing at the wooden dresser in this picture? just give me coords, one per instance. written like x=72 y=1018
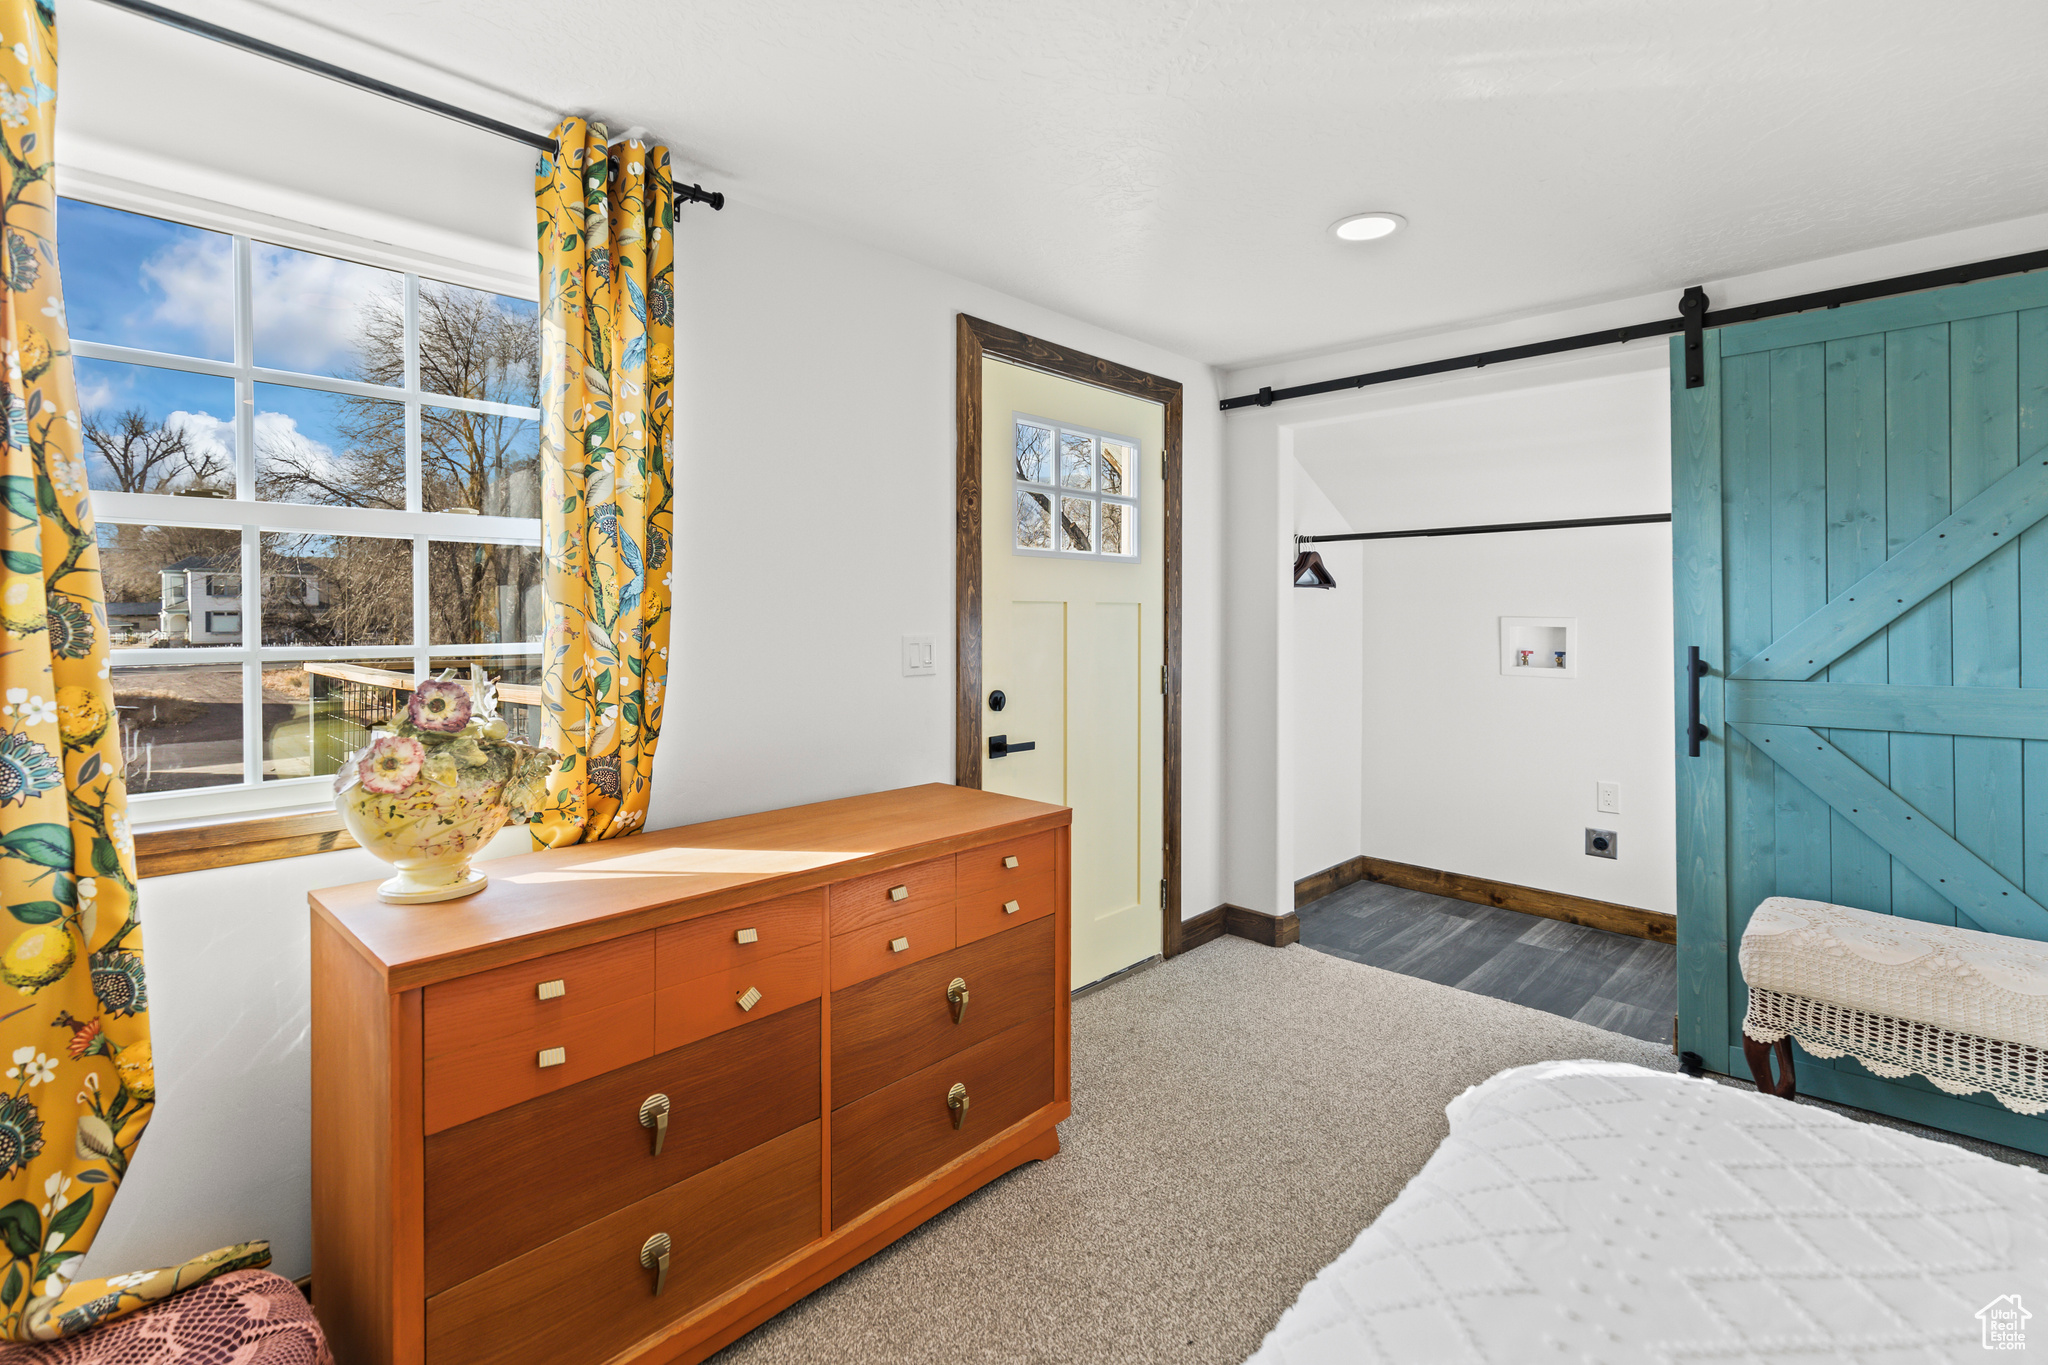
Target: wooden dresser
x=636 y=1097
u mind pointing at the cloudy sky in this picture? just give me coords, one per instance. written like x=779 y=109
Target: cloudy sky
x=143 y=282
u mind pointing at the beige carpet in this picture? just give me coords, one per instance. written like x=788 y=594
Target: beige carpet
x=1240 y=1114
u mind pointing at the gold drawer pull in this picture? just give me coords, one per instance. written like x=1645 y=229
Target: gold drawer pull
x=1010 y=861
x=654 y=1257
x=899 y=945
x=750 y=999
x=747 y=936
x=654 y=1114
x=1010 y=907
x=956 y=996
x=551 y=990
x=956 y=1100
x=899 y=893
x=553 y=1056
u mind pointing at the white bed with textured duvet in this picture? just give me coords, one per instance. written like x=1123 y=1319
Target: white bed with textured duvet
x=1594 y=1211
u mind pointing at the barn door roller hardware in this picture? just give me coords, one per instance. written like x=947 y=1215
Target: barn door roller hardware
x=1692 y=323
x=1692 y=306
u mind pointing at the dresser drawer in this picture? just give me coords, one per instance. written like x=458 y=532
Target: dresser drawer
x=888 y=944
x=867 y=901
x=735 y=938
x=712 y=1004
x=903 y=1132
x=480 y=1010
x=983 y=871
x=511 y=1181
x=1006 y=907
x=885 y=1028
x=461 y=1086
x=585 y=1297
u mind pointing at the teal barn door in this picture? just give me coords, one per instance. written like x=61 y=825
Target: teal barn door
x=1860 y=555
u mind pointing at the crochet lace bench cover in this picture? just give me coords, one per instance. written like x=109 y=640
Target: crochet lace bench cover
x=1966 y=1010
x=246 y=1317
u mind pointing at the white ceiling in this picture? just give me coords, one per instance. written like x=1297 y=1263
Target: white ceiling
x=1167 y=168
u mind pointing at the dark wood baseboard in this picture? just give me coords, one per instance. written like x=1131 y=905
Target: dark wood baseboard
x=1529 y=900
x=1197 y=931
x=1317 y=885
x=1275 y=931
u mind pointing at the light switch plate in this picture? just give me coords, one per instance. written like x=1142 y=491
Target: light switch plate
x=920 y=657
x=1609 y=802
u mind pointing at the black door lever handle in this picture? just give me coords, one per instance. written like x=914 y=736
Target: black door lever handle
x=1001 y=746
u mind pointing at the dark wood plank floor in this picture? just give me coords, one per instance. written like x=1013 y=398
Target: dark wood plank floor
x=1627 y=985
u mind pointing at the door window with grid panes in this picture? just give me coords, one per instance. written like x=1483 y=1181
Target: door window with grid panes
x=315 y=480
x=1076 y=493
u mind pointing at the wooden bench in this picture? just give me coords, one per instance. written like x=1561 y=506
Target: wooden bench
x=1966 y=1010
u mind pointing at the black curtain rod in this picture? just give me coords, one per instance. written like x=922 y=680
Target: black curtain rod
x=695 y=194
x=1644 y=519
x=1749 y=312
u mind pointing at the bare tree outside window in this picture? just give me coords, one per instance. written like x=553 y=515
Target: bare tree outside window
x=470 y=346
x=144 y=457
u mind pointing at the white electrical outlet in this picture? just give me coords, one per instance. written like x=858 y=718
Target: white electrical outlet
x=1609 y=798
x=920 y=657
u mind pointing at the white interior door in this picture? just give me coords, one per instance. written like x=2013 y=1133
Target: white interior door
x=1073 y=637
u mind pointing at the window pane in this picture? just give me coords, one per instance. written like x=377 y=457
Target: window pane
x=175 y=586
x=1116 y=459
x=336 y=590
x=1119 y=527
x=1034 y=521
x=181 y=727
x=317 y=714
x=329 y=448
x=1077 y=460
x=483 y=594
x=1077 y=527
x=319 y=315
x=1034 y=454
x=136 y=281
x=478 y=345
x=518 y=679
x=476 y=462
x=157 y=431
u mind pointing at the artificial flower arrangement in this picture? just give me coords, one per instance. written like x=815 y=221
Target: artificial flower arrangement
x=427 y=794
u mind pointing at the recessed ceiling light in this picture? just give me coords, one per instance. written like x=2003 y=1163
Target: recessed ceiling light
x=1364 y=227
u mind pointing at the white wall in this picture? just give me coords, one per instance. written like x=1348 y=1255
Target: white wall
x=1494 y=776
x=814 y=527
x=1328 y=698
x=1463 y=768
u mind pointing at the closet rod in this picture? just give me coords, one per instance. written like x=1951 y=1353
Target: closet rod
x=204 y=29
x=1644 y=519
x=1721 y=317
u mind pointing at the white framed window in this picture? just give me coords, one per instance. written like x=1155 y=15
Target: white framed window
x=316 y=478
x=1075 y=492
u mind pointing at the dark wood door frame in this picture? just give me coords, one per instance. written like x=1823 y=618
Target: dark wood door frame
x=976 y=340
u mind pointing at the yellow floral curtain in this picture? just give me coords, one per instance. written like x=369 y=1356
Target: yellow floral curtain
x=607 y=324
x=78 y=1083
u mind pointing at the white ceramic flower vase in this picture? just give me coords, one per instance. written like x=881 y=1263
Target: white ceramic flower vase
x=429 y=835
